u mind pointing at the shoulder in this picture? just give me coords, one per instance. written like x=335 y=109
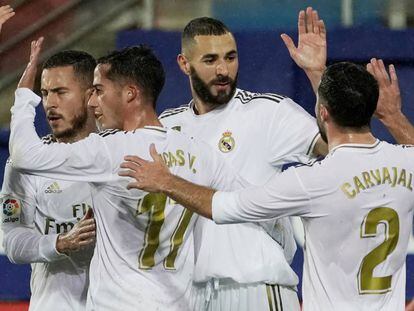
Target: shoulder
x=171 y=112
x=107 y=132
x=248 y=98
x=406 y=147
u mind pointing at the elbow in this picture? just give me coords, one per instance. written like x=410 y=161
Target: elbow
x=19 y=160
x=9 y=253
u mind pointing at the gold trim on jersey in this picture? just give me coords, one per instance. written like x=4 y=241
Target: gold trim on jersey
x=274 y=300
x=367 y=282
x=392 y=176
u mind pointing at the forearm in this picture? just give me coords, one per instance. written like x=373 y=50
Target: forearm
x=194 y=197
x=400 y=128
x=25 y=245
x=314 y=77
x=23 y=136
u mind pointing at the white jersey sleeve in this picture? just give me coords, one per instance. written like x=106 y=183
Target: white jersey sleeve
x=283 y=195
x=292 y=134
x=21 y=241
x=89 y=158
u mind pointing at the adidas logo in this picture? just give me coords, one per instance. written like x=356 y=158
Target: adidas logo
x=53 y=188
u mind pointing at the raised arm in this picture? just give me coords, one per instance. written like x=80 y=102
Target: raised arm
x=389 y=103
x=86 y=160
x=310 y=55
x=311 y=52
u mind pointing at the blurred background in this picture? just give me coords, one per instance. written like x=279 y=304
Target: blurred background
x=357 y=31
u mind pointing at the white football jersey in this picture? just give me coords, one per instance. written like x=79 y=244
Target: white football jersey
x=144 y=250
x=257 y=134
x=35 y=210
x=357 y=210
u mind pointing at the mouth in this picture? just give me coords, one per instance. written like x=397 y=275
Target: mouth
x=53 y=119
x=221 y=86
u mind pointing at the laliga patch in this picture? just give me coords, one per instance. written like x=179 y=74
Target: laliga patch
x=11 y=210
x=226 y=142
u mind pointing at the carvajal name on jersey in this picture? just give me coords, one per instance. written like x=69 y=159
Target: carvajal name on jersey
x=179 y=158
x=393 y=176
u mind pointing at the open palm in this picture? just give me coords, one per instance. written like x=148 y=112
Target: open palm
x=310 y=54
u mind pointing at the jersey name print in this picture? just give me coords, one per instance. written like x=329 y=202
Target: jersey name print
x=357 y=209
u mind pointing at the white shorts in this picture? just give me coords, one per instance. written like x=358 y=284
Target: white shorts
x=232 y=296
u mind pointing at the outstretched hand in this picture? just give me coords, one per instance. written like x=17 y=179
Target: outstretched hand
x=389 y=100
x=310 y=54
x=6 y=12
x=29 y=75
x=150 y=176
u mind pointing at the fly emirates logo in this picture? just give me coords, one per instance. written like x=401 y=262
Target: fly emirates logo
x=57 y=226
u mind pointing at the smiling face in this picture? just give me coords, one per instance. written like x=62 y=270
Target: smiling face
x=106 y=100
x=64 y=101
x=213 y=66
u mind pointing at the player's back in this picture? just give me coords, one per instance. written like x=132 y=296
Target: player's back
x=358 y=227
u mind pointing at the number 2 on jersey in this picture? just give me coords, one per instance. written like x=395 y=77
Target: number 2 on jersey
x=154 y=204
x=367 y=282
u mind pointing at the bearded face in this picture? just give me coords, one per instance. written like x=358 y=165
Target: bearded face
x=217 y=91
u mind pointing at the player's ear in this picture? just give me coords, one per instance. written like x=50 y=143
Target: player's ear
x=131 y=92
x=184 y=64
x=323 y=113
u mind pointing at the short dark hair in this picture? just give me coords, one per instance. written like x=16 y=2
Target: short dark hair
x=202 y=26
x=83 y=64
x=139 y=65
x=350 y=93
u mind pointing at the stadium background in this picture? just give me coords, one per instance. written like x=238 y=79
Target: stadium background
x=357 y=31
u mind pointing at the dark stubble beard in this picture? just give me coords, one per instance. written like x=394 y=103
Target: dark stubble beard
x=78 y=124
x=202 y=89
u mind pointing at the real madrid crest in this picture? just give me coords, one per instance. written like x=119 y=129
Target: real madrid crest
x=226 y=142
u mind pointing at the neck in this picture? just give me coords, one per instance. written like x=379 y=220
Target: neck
x=140 y=116
x=79 y=135
x=338 y=136
x=202 y=107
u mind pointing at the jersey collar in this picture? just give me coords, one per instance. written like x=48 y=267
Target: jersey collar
x=213 y=112
x=356 y=146
x=156 y=128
